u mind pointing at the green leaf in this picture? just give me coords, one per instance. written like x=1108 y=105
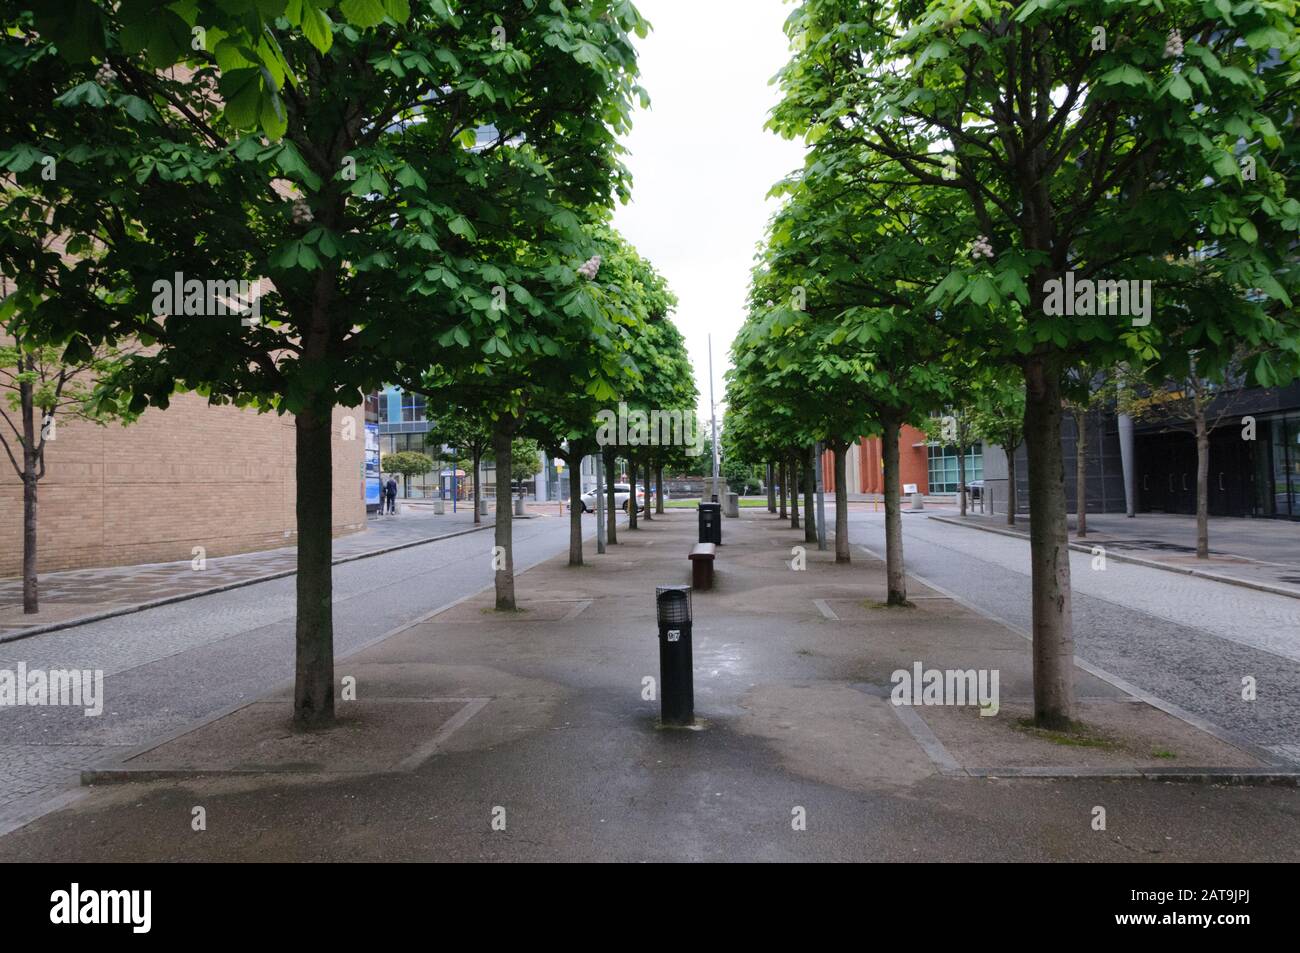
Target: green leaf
x=409 y=177
x=292 y=163
x=1125 y=75
x=138 y=109
x=363 y=13
x=1225 y=166
x=241 y=90
x=274 y=119
x=461 y=226
x=316 y=27
x=84 y=94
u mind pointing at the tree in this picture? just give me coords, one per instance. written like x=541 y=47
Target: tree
x=955 y=427
x=1087 y=391
x=456 y=427
x=577 y=327
x=1082 y=136
x=406 y=463
x=402 y=140
x=38 y=390
x=998 y=417
x=861 y=350
x=524 y=461
x=1193 y=403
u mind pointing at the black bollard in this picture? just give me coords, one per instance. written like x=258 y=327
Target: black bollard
x=676 y=675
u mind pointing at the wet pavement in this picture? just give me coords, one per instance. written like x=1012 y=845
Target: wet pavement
x=534 y=735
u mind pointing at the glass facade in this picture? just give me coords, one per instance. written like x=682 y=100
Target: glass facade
x=1282 y=488
x=943 y=474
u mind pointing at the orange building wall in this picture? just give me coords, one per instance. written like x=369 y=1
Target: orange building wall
x=914 y=464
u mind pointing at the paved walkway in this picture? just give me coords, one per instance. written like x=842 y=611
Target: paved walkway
x=1185 y=639
x=82 y=594
x=534 y=736
x=166 y=667
x=1260 y=552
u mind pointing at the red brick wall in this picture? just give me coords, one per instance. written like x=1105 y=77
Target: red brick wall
x=913 y=463
x=191 y=475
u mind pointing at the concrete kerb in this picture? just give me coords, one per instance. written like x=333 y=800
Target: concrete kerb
x=226 y=587
x=1136 y=560
x=1276 y=772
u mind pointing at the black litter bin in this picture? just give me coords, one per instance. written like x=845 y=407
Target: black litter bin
x=711 y=523
x=676 y=675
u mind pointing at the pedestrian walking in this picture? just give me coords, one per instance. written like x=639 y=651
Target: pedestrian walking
x=391 y=492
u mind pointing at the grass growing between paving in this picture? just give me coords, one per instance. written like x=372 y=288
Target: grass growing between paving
x=1078 y=735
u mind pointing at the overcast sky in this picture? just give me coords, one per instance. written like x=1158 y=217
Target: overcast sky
x=702 y=162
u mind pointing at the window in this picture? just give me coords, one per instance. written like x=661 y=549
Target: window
x=943 y=473
x=412 y=407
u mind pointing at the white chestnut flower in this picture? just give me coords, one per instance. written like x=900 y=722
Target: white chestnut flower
x=105 y=76
x=301 y=212
x=589 y=268
x=980 y=248
x=1174 y=44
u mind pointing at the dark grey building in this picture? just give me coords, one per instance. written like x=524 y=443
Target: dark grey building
x=1254 y=461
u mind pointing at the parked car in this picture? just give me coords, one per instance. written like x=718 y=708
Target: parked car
x=621 y=492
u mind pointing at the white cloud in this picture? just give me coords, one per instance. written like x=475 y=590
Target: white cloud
x=702 y=162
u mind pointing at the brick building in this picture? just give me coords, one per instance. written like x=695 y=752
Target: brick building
x=192 y=475
x=865 y=465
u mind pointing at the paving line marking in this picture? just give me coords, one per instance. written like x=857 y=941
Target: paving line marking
x=1265 y=756
x=934 y=749
x=826 y=610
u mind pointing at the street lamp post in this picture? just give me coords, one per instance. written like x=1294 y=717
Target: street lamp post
x=821 y=498
x=600 y=502
x=713 y=416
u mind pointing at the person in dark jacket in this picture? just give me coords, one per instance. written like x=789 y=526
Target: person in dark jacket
x=390 y=490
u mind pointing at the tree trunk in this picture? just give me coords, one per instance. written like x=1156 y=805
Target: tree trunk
x=648 y=477
x=478 y=459
x=31 y=591
x=841 y=451
x=794 y=491
x=502 y=433
x=313 y=696
x=895 y=577
x=659 y=489
x=810 y=496
x=961 y=476
x=575 y=511
x=1011 y=486
x=784 y=472
x=631 y=493
x=611 y=514
x=771 y=490
x=1053 y=625
x=1202 y=485
x=1081 y=474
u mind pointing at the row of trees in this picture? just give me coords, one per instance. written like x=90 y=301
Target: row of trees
x=420 y=189
x=966 y=161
